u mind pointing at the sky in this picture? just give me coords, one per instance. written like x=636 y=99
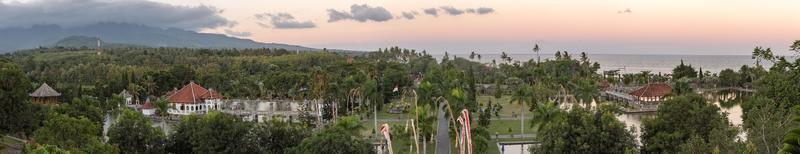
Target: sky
x=703 y=27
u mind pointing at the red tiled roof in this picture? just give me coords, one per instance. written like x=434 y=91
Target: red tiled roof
x=211 y=94
x=148 y=105
x=652 y=90
x=191 y=93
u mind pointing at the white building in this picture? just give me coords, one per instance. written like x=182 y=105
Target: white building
x=193 y=99
x=264 y=110
x=128 y=97
x=148 y=108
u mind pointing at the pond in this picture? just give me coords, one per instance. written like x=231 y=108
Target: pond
x=726 y=100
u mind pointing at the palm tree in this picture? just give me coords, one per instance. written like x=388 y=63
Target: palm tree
x=134 y=90
x=585 y=90
x=536 y=50
x=521 y=95
x=505 y=57
x=545 y=114
x=373 y=96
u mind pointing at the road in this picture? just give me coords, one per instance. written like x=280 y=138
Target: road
x=442 y=133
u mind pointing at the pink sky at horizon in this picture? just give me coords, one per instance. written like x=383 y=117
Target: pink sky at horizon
x=652 y=27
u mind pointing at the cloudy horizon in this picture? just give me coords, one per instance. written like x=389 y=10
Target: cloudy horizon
x=600 y=27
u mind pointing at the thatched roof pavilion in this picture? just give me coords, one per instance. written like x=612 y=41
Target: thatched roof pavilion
x=45 y=95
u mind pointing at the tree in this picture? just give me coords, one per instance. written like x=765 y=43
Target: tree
x=134 y=133
x=44 y=149
x=791 y=142
x=683 y=71
x=83 y=107
x=729 y=78
x=766 y=122
x=681 y=87
x=73 y=134
x=682 y=117
x=162 y=106
x=183 y=73
x=536 y=50
x=581 y=130
x=213 y=132
x=14 y=109
x=336 y=139
x=585 y=90
x=274 y=136
x=522 y=94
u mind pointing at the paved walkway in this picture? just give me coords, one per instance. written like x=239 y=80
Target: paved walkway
x=507 y=136
x=442 y=133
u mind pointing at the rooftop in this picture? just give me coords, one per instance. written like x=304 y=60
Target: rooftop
x=192 y=93
x=652 y=90
x=45 y=91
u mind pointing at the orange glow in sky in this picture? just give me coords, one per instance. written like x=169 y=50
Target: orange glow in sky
x=602 y=26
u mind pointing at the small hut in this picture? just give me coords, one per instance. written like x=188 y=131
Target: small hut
x=45 y=95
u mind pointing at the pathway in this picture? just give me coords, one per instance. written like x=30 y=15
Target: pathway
x=442 y=133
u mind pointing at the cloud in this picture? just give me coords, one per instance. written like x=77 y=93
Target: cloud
x=360 y=13
x=625 y=11
x=410 y=15
x=431 y=11
x=452 y=11
x=236 y=33
x=71 y=13
x=282 y=21
x=483 y=10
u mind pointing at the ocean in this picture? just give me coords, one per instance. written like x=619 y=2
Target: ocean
x=631 y=63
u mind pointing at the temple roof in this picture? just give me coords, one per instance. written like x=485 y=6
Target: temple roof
x=652 y=90
x=45 y=91
x=192 y=93
x=148 y=105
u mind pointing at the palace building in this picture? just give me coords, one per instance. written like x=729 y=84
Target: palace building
x=193 y=99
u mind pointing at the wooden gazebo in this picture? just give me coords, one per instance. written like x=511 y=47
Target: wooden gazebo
x=45 y=95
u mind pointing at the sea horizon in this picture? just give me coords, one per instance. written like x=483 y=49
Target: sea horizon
x=635 y=63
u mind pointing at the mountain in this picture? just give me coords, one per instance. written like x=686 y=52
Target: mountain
x=90 y=42
x=132 y=34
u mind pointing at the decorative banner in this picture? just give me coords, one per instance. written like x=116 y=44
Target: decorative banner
x=385 y=131
x=460 y=134
x=468 y=129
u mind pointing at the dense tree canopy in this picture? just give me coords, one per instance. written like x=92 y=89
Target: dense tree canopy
x=15 y=115
x=339 y=138
x=213 y=132
x=275 y=137
x=684 y=71
x=682 y=118
x=73 y=134
x=582 y=130
x=134 y=133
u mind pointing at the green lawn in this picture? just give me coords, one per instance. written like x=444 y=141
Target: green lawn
x=508 y=108
x=502 y=127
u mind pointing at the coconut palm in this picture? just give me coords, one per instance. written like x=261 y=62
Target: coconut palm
x=536 y=50
x=521 y=95
x=545 y=114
